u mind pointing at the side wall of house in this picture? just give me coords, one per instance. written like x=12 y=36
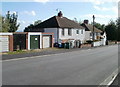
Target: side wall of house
x=74 y=35
x=87 y=35
x=53 y=30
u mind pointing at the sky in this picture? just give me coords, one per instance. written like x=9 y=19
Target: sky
x=33 y=10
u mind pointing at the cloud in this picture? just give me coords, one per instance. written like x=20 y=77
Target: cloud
x=113 y=9
x=101 y=16
x=97 y=2
x=31 y=13
x=23 y=24
x=43 y=1
x=101 y=8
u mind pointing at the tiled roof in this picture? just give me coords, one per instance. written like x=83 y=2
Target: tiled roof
x=59 y=22
x=89 y=27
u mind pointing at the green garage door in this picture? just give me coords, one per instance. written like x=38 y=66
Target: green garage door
x=34 y=42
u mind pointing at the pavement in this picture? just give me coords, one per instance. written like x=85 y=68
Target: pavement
x=44 y=52
x=80 y=67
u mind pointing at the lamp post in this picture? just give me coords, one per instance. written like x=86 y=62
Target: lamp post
x=93 y=27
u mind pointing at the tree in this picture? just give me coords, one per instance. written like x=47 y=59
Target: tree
x=9 y=22
x=99 y=26
x=37 y=22
x=31 y=26
x=5 y=25
x=111 y=31
x=118 y=28
x=76 y=20
x=0 y=23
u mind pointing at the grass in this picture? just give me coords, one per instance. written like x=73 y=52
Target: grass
x=17 y=52
x=30 y=51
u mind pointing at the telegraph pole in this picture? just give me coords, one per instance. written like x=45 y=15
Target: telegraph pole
x=93 y=27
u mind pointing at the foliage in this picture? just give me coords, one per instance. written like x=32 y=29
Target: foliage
x=37 y=22
x=0 y=23
x=9 y=22
x=111 y=31
x=99 y=26
x=89 y=41
x=31 y=26
x=118 y=28
x=76 y=20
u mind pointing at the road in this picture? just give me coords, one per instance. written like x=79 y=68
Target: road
x=87 y=67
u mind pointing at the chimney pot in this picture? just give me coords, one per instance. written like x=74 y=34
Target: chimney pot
x=86 y=21
x=60 y=14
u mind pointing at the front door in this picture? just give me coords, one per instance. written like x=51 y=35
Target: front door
x=34 y=42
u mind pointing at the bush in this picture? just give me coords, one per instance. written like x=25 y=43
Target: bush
x=89 y=41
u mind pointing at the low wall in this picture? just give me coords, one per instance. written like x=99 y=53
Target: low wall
x=85 y=45
x=98 y=43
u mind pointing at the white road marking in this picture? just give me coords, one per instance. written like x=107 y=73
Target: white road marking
x=108 y=81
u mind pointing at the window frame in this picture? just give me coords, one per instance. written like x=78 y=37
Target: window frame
x=69 y=31
x=63 y=32
x=82 y=31
x=77 y=31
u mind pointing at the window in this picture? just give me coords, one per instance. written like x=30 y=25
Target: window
x=69 y=31
x=81 y=31
x=90 y=34
x=77 y=31
x=63 y=31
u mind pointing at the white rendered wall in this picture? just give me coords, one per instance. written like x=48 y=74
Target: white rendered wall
x=74 y=35
x=87 y=35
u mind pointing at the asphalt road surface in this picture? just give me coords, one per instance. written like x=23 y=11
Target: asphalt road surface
x=87 y=67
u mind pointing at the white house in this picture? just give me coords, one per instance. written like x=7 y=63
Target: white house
x=89 y=31
x=98 y=34
x=63 y=28
x=103 y=38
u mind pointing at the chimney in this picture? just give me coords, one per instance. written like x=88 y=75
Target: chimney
x=60 y=14
x=86 y=21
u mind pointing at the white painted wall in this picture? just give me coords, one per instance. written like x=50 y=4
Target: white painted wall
x=98 y=43
x=87 y=35
x=34 y=33
x=6 y=33
x=66 y=36
x=74 y=35
x=104 y=39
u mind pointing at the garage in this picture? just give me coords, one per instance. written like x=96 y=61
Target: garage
x=39 y=40
x=34 y=41
x=19 y=41
x=46 y=41
x=6 y=42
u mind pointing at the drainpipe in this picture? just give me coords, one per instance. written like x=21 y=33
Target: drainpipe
x=57 y=35
x=93 y=28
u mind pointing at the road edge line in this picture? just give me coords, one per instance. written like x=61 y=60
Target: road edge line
x=109 y=80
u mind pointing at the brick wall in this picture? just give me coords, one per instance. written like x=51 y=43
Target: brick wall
x=10 y=42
